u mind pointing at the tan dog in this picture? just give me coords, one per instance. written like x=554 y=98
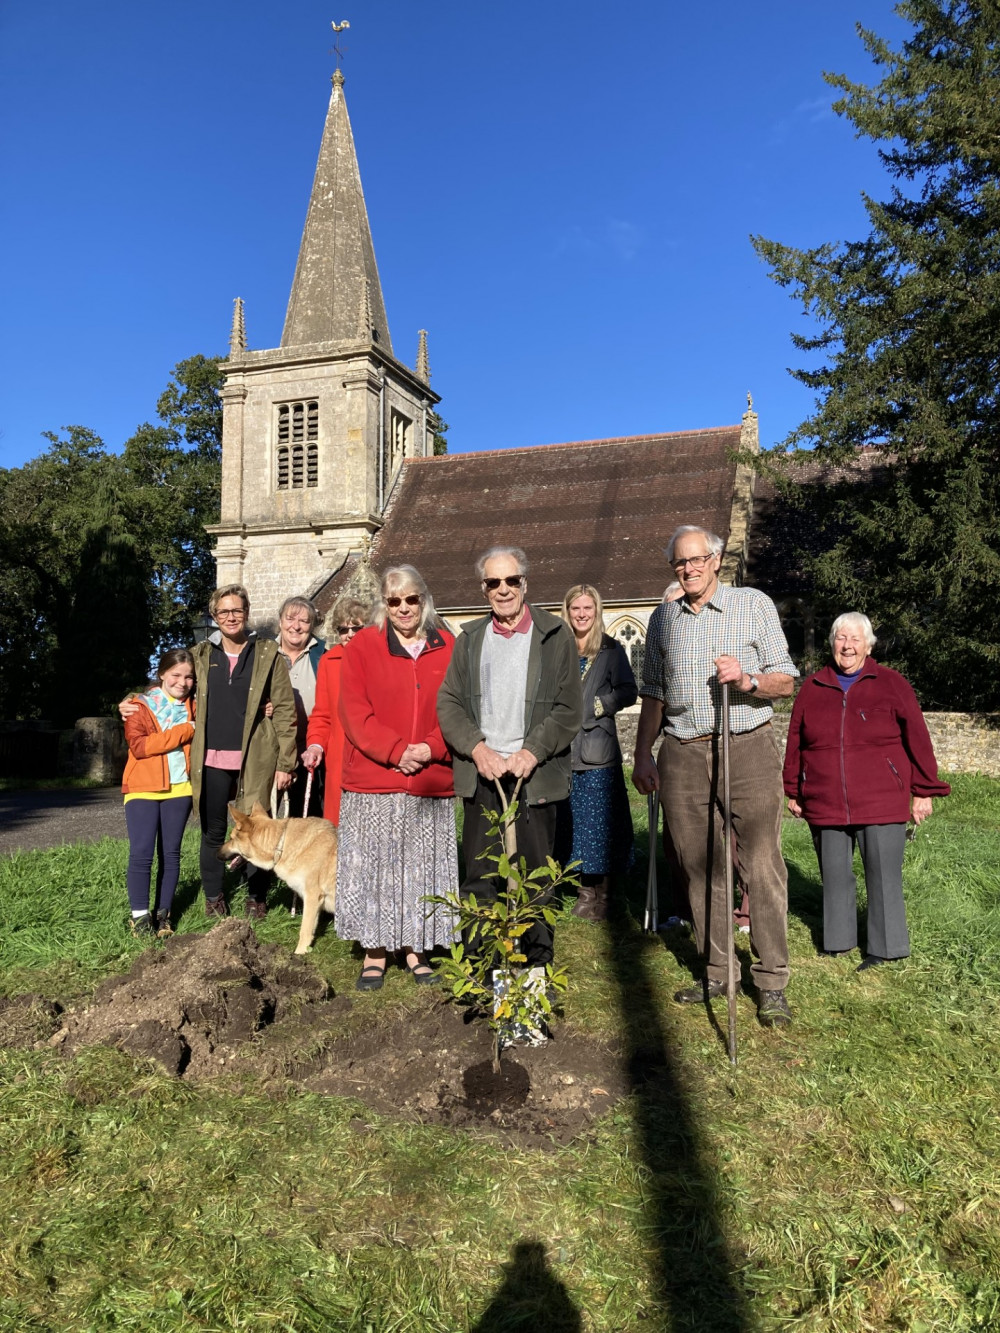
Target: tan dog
x=302 y=852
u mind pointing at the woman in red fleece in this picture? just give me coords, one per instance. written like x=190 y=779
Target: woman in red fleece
x=858 y=764
x=397 y=814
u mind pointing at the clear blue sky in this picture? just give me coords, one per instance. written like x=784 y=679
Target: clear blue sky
x=561 y=194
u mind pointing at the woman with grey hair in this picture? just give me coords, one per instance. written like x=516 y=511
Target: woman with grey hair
x=858 y=764
x=397 y=817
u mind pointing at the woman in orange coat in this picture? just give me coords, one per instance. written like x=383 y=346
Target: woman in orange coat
x=325 y=737
x=157 y=789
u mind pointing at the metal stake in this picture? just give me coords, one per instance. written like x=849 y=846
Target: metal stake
x=727 y=835
x=651 y=920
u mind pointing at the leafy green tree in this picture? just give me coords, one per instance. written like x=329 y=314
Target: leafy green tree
x=439 y=432
x=907 y=358
x=104 y=559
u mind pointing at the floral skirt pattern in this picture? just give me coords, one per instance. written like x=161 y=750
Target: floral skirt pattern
x=602 y=821
x=395 y=850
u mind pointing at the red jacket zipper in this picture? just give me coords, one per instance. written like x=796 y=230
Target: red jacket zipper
x=843 y=770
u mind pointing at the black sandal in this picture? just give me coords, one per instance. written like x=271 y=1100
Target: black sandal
x=371 y=977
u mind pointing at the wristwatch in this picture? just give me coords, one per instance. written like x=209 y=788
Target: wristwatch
x=754 y=685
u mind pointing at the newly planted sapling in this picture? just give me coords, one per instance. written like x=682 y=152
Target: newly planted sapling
x=488 y=965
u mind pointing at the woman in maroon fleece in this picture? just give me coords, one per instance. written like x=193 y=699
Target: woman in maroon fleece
x=858 y=765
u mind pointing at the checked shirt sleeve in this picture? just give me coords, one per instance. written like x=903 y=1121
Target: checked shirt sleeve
x=653 y=680
x=771 y=643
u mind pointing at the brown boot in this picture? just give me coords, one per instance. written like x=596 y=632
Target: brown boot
x=585 y=903
x=599 y=912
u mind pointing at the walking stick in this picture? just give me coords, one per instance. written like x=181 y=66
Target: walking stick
x=651 y=920
x=727 y=825
x=293 y=909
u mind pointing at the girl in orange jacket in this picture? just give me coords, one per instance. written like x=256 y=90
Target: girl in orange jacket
x=157 y=789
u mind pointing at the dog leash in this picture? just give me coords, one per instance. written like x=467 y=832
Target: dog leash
x=293 y=909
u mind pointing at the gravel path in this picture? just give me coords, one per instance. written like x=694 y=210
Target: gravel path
x=37 y=819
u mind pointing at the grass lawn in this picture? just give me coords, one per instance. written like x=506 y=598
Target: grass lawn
x=845 y=1177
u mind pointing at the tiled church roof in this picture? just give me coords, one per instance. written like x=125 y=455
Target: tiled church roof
x=596 y=511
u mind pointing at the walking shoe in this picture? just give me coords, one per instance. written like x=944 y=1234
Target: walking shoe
x=772 y=1009
x=371 y=978
x=142 y=926
x=702 y=990
x=163 y=926
x=256 y=909
x=871 y=960
x=216 y=906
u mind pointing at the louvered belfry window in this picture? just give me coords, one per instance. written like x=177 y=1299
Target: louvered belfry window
x=297 y=453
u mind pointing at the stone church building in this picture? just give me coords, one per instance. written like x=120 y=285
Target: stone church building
x=327 y=456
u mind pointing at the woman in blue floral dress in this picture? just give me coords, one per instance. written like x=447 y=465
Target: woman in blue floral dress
x=602 y=821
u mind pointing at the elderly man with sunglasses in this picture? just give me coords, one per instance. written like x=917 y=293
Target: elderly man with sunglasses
x=509 y=708
x=717 y=634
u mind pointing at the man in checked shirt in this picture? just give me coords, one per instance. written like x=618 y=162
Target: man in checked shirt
x=713 y=634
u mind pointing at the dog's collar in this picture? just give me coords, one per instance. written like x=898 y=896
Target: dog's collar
x=280 y=848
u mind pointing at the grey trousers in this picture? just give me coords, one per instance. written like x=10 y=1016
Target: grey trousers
x=691 y=791
x=881 y=847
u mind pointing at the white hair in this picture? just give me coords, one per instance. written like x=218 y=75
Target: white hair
x=402 y=579
x=854 y=618
x=714 y=543
x=495 y=552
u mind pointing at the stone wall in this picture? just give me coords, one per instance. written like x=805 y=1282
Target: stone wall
x=963 y=742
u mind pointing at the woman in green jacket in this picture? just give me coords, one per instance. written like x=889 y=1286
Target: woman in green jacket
x=237 y=753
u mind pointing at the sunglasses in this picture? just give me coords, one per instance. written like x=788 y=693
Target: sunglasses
x=411 y=599
x=349 y=629
x=512 y=581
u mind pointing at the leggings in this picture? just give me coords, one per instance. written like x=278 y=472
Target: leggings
x=218 y=788
x=154 y=826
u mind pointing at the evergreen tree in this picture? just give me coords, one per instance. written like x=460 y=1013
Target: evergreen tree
x=908 y=352
x=104 y=560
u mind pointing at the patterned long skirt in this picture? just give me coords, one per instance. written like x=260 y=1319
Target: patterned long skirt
x=395 y=850
x=602 y=821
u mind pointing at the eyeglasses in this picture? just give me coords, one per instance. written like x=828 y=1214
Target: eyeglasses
x=230 y=614
x=348 y=629
x=511 y=580
x=411 y=599
x=695 y=561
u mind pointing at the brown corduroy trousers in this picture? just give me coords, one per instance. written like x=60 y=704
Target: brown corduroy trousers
x=691 y=790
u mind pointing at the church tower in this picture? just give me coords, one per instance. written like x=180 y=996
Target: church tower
x=315 y=431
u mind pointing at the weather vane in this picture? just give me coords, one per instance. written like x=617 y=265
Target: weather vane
x=338 y=28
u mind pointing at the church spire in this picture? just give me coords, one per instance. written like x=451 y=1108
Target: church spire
x=336 y=257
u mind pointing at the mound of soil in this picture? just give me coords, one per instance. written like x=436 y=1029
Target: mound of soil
x=435 y=1066
x=223 y=1004
x=192 y=1004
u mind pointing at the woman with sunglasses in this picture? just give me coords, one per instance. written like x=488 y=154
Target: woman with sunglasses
x=397 y=816
x=325 y=736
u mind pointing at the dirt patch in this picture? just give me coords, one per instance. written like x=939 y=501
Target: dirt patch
x=434 y=1066
x=218 y=1004
x=27 y=1020
x=194 y=1003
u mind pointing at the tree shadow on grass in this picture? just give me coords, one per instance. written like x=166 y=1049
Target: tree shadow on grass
x=695 y=1285
x=530 y=1297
